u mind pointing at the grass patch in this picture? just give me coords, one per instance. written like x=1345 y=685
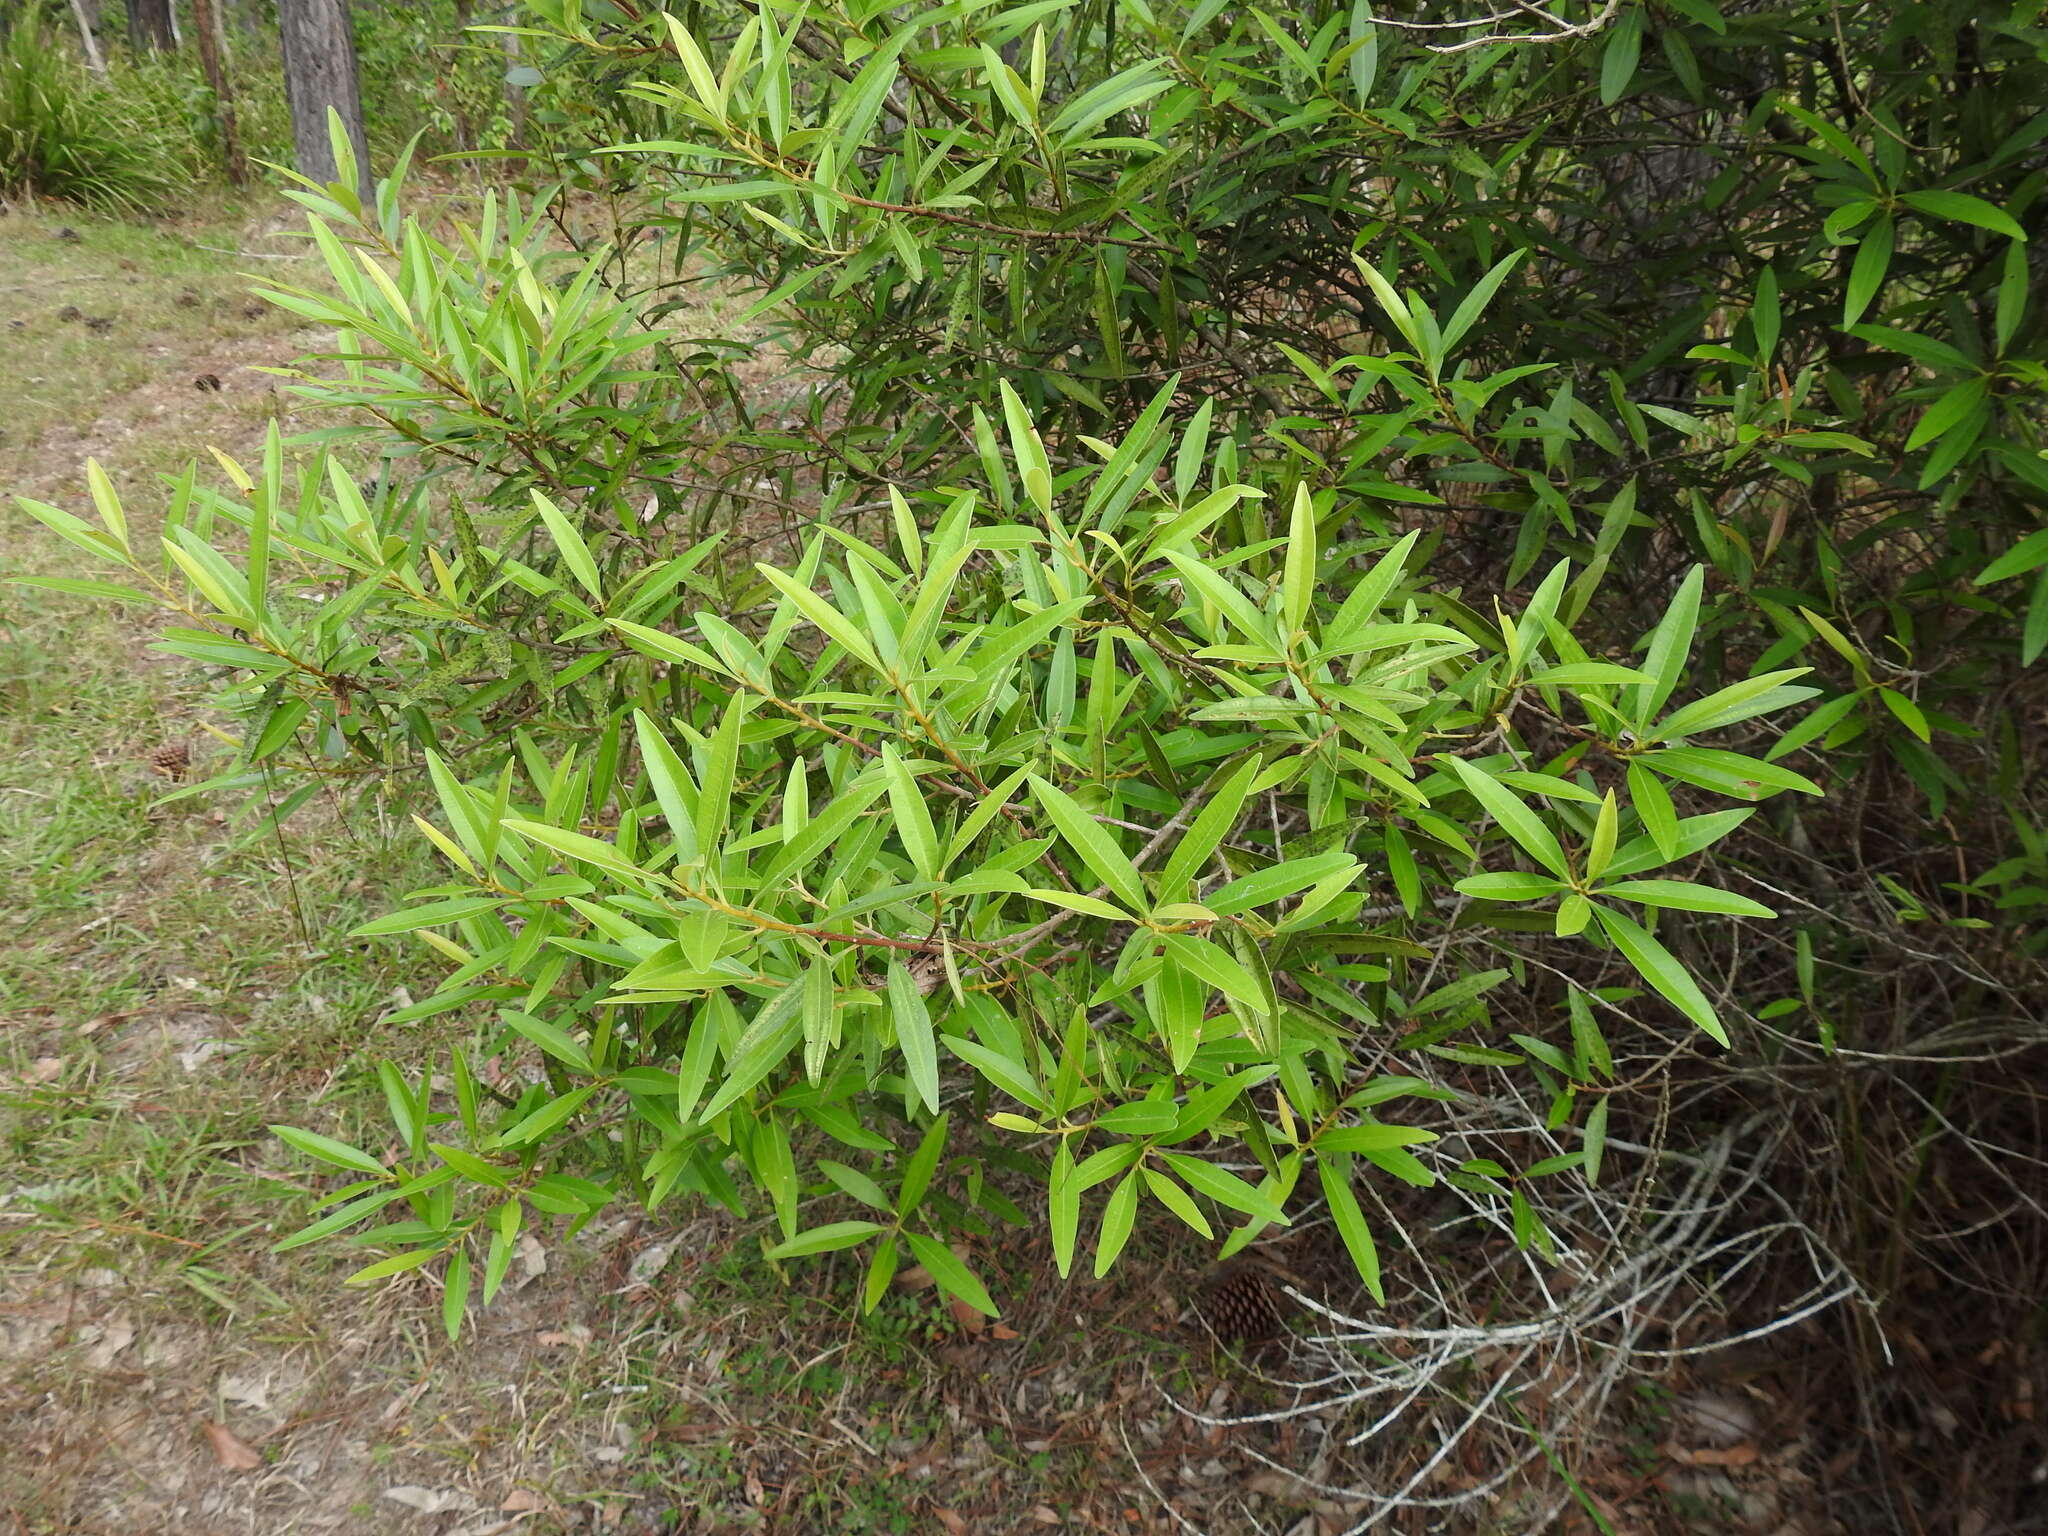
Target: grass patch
x=111 y=329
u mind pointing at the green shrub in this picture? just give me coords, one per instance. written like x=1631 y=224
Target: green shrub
x=66 y=136
x=1773 y=270
x=1093 y=788
x=1105 y=824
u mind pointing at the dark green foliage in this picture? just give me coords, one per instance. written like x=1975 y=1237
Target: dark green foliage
x=1769 y=269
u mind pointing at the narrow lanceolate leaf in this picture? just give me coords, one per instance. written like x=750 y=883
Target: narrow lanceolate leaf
x=826 y=1239
x=1653 y=803
x=1906 y=712
x=217 y=581
x=569 y=543
x=1217 y=967
x=1226 y=1188
x=1363 y=603
x=1351 y=1225
x=1276 y=882
x=339 y=1153
x=1515 y=818
x=335 y=1220
x=1063 y=1208
x=455 y=1295
x=767 y=1041
x=917 y=1173
x=1619 y=58
x=1298 y=580
x=914 y=1034
x=665 y=647
x=80 y=587
x=1216 y=589
x=1098 y=850
x=552 y=1038
x=1962 y=208
x=1118 y=1216
x=432 y=915
x=978 y=819
x=398 y=1263
x=721 y=768
x=913 y=816
x=1596 y=1138
x=1685 y=896
x=549 y=1117
x=1605 y=830
x=1956 y=406
x=1661 y=969
x=1509 y=885
x=589 y=850
x=821 y=1014
x=1029 y=452
x=1177 y=1200
x=702 y=81
x=954 y=1277
x=1208 y=829
x=695 y=1070
x=1474 y=303
x=1867 y=274
x=2030 y=553
x=674 y=790
x=1737 y=702
x=100 y=545
x=821 y=613
x=1074 y=901
x=881 y=1270
x=504 y=1228
x=1670 y=644
x=106 y=501
x=1009 y=1073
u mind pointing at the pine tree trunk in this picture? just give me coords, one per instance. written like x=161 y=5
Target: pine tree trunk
x=150 y=28
x=319 y=76
x=212 y=49
x=515 y=95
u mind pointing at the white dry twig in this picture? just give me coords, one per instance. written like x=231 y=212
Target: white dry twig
x=1493 y=27
x=1649 y=1268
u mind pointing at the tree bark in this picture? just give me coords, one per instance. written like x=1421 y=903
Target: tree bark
x=150 y=27
x=515 y=95
x=319 y=76
x=212 y=50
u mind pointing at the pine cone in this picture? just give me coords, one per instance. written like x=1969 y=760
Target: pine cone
x=1243 y=1304
x=173 y=759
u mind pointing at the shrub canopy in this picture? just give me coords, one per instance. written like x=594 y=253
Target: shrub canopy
x=1311 y=579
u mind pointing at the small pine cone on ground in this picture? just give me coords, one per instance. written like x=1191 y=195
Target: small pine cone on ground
x=1243 y=1304
x=173 y=760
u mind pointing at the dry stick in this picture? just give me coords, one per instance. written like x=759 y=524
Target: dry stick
x=1601 y=1322
x=93 y=60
